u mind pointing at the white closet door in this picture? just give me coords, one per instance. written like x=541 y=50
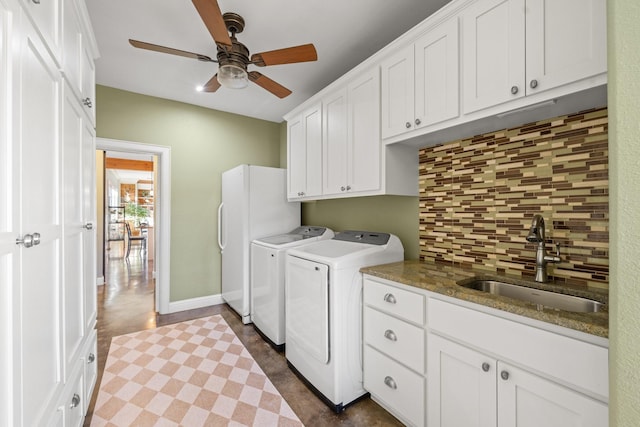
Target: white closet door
x=36 y=299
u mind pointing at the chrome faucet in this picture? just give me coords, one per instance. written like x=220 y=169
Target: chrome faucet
x=536 y=235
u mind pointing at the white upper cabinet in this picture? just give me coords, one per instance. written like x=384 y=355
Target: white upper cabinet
x=516 y=48
x=566 y=41
x=351 y=143
x=304 y=145
x=420 y=82
x=47 y=16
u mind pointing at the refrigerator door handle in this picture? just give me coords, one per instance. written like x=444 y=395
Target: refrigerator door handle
x=220 y=226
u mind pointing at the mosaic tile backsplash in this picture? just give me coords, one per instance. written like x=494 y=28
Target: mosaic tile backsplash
x=478 y=196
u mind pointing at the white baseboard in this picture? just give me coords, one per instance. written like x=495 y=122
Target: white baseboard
x=100 y=281
x=190 y=304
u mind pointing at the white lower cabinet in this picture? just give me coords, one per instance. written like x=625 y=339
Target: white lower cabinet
x=441 y=362
x=469 y=388
x=394 y=350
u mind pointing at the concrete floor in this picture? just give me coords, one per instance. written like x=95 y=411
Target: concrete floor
x=126 y=304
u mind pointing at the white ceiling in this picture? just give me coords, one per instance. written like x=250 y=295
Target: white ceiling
x=343 y=32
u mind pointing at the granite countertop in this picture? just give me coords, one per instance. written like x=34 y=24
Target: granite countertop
x=443 y=279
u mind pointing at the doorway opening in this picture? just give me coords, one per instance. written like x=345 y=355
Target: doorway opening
x=129 y=205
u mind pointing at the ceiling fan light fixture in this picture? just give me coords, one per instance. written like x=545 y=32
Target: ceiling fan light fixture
x=232 y=76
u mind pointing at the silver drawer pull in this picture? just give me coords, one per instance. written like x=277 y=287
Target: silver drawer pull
x=390 y=298
x=390 y=382
x=486 y=367
x=91 y=358
x=390 y=335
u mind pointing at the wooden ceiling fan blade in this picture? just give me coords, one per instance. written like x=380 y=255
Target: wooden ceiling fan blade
x=289 y=55
x=170 y=50
x=212 y=85
x=266 y=83
x=209 y=11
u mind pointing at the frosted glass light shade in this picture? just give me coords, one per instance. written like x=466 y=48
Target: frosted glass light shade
x=233 y=77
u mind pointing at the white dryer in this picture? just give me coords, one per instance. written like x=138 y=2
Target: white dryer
x=267 y=279
x=323 y=301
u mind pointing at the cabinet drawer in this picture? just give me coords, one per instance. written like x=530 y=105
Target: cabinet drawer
x=399 y=302
x=398 y=388
x=395 y=338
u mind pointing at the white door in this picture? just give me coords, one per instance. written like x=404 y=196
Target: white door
x=335 y=142
x=397 y=96
x=9 y=251
x=89 y=222
x=297 y=159
x=36 y=299
x=566 y=42
x=312 y=119
x=363 y=134
x=461 y=385
x=73 y=240
x=307 y=307
x=493 y=54
x=437 y=75
x=526 y=400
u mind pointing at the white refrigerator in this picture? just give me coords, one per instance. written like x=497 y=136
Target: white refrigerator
x=254 y=205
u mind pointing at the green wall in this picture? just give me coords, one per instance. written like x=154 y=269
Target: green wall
x=204 y=143
x=389 y=214
x=624 y=170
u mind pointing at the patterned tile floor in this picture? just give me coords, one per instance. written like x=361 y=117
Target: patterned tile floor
x=125 y=305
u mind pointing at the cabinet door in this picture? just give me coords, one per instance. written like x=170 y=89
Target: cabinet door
x=9 y=251
x=88 y=84
x=48 y=19
x=335 y=143
x=297 y=158
x=397 y=96
x=363 y=133
x=72 y=196
x=461 y=386
x=89 y=219
x=566 y=42
x=313 y=136
x=305 y=154
x=437 y=75
x=36 y=300
x=493 y=55
x=526 y=400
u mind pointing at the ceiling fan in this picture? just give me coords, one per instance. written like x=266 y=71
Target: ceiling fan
x=233 y=57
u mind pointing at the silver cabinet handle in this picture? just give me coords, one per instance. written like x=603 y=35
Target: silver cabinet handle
x=486 y=367
x=26 y=240
x=89 y=226
x=91 y=358
x=418 y=122
x=390 y=382
x=390 y=298
x=87 y=102
x=348 y=187
x=514 y=90
x=342 y=188
x=75 y=401
x=390 y=335
x=408 y=125
x=533 y=84
x=36 y=239
x=504 y=375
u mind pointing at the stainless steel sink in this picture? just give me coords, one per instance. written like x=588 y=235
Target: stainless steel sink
x=536 y=296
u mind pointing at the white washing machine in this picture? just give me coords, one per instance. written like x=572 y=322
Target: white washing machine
x=267 y=279
x=323 y=301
